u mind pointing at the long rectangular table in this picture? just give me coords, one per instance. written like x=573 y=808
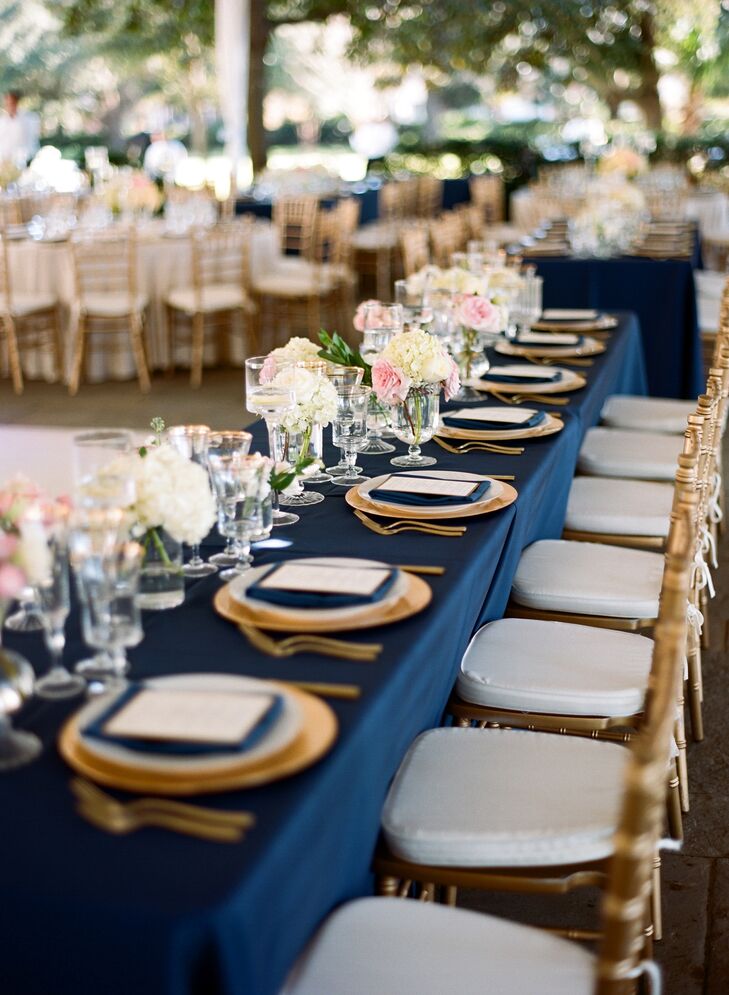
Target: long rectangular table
x=83 y=913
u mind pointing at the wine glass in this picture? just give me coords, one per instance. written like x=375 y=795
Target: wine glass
x=343 y=376
x=227 y=443
x=241 y=483
x=349 y=430
x=111 y=619
x=319 y=368
x=191 y=441
x=272 y=403
x=46 y=528
x=16 y=685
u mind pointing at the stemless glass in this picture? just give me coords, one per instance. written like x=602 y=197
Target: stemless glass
x=349 y=431
x=227 y=443
x=92 y=451
x=271 y=403
x=416 y=310
x=377 y=333
x=343 y=376
x=191 y=441
x=414 y=421
x=48 y=527
x=242 y=485
x=111 y=619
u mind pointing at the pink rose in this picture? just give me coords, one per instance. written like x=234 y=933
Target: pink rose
x=478 y=313
x=12 y=580
x=452 y=383
x=390 y=384
x=359 y=316
x=268 y=370
x=8 y=545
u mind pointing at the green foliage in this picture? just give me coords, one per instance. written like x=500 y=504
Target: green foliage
x=335 y=350
x=285 y=478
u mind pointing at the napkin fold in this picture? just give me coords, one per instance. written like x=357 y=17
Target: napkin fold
x=495 y=377
x=316 y=599
x=429 y=501
x=264 y=725
x=546 y=344
x=486 y=426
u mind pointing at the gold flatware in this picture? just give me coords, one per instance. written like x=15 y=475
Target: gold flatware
x=490 y=447
x=411 y=525
x=420 y=569
x=348 y=692
x=121 y=822
x=91 y=795
x=557 y=360
x=309 y=643
x=526 y=398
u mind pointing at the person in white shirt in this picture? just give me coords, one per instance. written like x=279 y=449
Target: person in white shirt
x=19 y=132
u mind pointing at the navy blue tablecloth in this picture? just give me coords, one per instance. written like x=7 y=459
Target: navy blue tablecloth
x=83 y=913
x=662 y=294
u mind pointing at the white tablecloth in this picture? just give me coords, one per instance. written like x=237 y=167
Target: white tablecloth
x=163 y=263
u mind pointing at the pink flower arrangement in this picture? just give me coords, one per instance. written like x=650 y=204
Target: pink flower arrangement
x=13 y=501
x=359 y=316
x=452 y=383
x=479 y=313
x=389 y=383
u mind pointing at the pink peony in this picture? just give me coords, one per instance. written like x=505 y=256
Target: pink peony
x=8 y=545
x=390 y=384
x=478 y=313
x=359 y=315
x=268 y=370
x=12 y=580
x=452 y=383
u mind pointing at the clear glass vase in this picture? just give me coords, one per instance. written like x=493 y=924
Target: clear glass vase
x=298 y=445
x=377 y=427
x=16 y=684
x=414 y=421
x=161 y=582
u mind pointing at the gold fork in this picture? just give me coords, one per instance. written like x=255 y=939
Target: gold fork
x=410 y=525
x=89 y=794
x=475 y=444
x=557 y=360
x=526 y=398
x=121 y=821
x=305 y=643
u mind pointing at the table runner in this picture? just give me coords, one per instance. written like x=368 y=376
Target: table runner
x=157 y=914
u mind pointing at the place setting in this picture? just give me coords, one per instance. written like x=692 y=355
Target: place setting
x=550 y=346
x=482 y=424
x=574 y=320
x=515 y=383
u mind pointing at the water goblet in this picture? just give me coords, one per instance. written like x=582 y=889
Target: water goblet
x=191 y=441
x=16 y=685
x=46 y=529
x=414 y=421
x=227 y=443
x=343 y=376
x=349 y=430
x=271 y=402
x=92 y=453
x=242 y=484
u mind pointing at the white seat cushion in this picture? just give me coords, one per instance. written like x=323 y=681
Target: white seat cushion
x=709 y=289
x=647 y=414
x=555 y=667
x=24 y=304
x=214 y=297
x=504 y=798
x=294 y=277
x=112 y=304
x=619 y=507
x=588 y=578
x=613 y=452
x=384 y=946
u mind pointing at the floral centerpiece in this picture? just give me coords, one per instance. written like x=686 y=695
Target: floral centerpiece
x=478 y=317
x=622 y=161
x=409 y=375
x=296 y=350
x=21 y=557
x=9 y=173
x=454 y=279
x=131 y=191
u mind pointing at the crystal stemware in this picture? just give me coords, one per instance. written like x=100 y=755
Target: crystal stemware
x=192 y=442
x=272 y=403
x=16 y=684
x=414 y=421
x=416 y=310
x=343 y=376
x=241 y=483
x=92 y=453
x=319 y=367
x=350 y=430
x=227 y=443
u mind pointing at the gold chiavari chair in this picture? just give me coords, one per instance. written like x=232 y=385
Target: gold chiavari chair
x=295 y=220
x=487 y=193
x=391 y=201
x=429 y=197
x=414 y=249
x=108 y=300
x=409 y=194
x=336 y=256
x=446 y=237
x=219 y=297
x=28 y=322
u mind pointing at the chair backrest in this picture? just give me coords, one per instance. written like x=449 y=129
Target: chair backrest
x=336 y=229
x=391 y=202
x=414 y=249
x=295 y=219
x=629 y=880
x=488 y=193
x=106 y=262
x=221 y=255
x=429 y=197
x=10 y=212
x=446 y=237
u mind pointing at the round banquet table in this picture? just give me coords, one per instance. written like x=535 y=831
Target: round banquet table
x=163 y=263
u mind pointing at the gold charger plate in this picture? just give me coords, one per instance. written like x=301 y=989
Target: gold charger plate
x=604 y=322
x=570 y=381
x=318 y=733
x=590 y=347
x=416 y=596
x=506 y=495
x=550 y=426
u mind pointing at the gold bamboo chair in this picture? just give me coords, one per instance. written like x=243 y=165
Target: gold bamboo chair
x=379 y=945
x=429 y=197
x=108 y=300
x=446 y=237
x=487 y=193
x=501 y=809
x=10 y=212
x=414 y=249
x=29 y=322
x=218 y=299
x=335 y=254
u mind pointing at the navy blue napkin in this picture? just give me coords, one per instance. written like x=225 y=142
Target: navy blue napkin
x=262 y=727
x=318 y=599
x=478 y=423
x=496 y=377
x=427 y=500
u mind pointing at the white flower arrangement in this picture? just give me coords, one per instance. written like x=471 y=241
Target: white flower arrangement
x=456 y=279
x=412 y=360
x=316 y=399
x=172 y=492
x=296 y=349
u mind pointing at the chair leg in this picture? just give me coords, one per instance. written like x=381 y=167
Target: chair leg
x=16 y=371
x=674 y=815
x=682 y=760
x=656 y=911
x=169 y=338
x=138 y=352
x=56 y=345
x=704 y=605
x=694 y=691
x=78 y=356
x=388 y=887
x=196 y=359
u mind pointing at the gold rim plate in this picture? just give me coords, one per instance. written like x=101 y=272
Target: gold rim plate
x=603 y=322
x=506 y=495
x=550 y=426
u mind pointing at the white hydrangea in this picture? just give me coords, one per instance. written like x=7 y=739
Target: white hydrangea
x=455 y=279
x=296 y=349
x=419 y=356
x=172 y=492
x=316 y=399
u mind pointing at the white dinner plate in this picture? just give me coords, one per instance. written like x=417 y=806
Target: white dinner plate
x=452 y=509
x=531 y=382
